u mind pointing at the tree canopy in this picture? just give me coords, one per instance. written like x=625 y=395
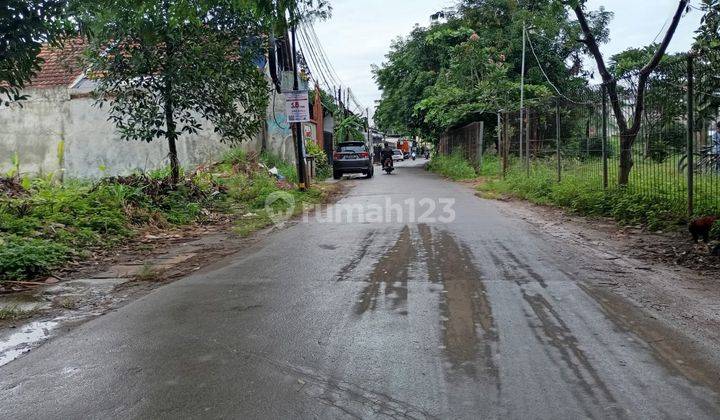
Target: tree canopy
x=24 y=26
x=449 y=73
x=166 y=67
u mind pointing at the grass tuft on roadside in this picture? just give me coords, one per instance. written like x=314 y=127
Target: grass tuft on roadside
x=452 y=166
x=44 y=224
x=582 y=194
x=13 y=313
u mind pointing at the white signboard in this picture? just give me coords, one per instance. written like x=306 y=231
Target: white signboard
x=297 y=106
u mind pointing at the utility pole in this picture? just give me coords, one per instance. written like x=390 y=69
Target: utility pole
x=347 y=101
x=522 y=92
x=297 y=127
x=369 y=139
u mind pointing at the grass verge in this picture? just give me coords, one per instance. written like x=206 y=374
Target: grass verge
x=44 y=224
x=581 y=191
x=452 y=166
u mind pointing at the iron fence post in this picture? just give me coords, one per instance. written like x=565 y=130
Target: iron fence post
x=604 y=136
x=690 y=135
x=506 y=143
x=527 y=143
x=481 y=140
x=499 y=136
x=557 y=140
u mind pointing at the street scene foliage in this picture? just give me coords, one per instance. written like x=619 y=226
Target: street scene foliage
x=161 y=69
x=451 y=73
x=45 y=224
x=468 y=69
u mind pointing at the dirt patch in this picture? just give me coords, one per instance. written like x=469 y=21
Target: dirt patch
x=642 y=286
x=389 y=275
x=676 y=352
x=673 y=248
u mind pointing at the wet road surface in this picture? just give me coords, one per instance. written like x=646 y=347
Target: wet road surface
x=357 y=313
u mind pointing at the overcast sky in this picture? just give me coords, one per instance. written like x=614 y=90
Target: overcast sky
x=359 y=33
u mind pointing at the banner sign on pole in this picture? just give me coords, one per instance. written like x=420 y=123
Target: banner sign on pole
x=297 y=107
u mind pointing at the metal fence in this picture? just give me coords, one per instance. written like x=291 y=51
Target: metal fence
x=671 y=159
x=468 y=141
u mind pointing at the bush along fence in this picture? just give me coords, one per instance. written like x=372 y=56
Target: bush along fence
x=670 y=159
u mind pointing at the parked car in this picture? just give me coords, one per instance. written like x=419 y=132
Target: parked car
x=398 y=155
x=352 y=158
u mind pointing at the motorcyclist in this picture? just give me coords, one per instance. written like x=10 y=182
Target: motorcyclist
x=385 y=154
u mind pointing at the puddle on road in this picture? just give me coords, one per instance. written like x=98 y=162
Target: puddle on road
x=468 y=328
x=390 y=275
x=465 y=306
x=558 y=334
x=345 y=272
x=28 y=337
x=67 y=302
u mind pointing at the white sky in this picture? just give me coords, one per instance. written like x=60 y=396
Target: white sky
x=359 y=33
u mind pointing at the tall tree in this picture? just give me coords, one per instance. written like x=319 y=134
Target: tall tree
x=165 y=66
x=427 y=80
x=708 y=35
x=628 y=127
x=24 y=26
x=707 y=60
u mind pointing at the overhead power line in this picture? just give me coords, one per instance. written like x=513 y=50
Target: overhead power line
x=315 y=69
x=542 y=70
x=321 y=67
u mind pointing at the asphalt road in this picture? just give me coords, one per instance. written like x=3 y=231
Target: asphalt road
x=471 y=315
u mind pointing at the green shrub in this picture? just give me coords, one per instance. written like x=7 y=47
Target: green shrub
x=453 y=166
x=287 y=170
x=323 y=169
x=48 y=224
x=22 y=258
x=582 y=193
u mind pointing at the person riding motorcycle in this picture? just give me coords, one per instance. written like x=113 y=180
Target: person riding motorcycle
x=385 y=154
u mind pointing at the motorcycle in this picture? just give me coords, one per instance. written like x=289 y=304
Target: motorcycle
x=413 y=155
x=388 y=166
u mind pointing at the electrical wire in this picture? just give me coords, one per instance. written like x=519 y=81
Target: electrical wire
x=308 y=52
x=323 y=54
x=313 y=50
x=542 y=70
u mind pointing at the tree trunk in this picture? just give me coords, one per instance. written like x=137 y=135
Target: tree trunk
x=628 y=132
x=171 y=135
x=626 y=159
x=170 y=127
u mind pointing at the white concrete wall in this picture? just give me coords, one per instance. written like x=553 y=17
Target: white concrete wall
x=91 y=142
x=279 y=139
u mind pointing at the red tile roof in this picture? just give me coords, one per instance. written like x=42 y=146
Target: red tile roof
x=61 y=66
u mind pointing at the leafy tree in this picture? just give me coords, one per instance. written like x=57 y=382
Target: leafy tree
x=438 y=77
x=628 y=127
x=707 y=60
x=475 y=82
x=708 y=35
x=413 y=67
x=165 y=66
x=665 y=103
x=348 y=128
x=24 y=26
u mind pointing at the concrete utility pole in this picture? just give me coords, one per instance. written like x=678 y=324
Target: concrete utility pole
x=297 y=127
x=369 y=139
x=522 y=92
